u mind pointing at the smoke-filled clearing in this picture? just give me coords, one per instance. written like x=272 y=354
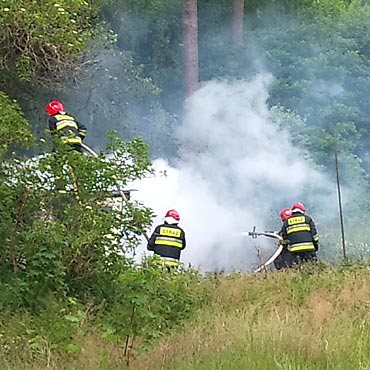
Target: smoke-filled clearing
x=236 y=169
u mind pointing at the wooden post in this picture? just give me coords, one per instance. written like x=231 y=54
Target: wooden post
x=340 y=201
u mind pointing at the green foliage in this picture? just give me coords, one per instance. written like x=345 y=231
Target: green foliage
x=317 y=50
x=64 y=272
x=56 y=226
x=143 y=304
x=148 y=301
x=322 y=75
x=64 y=261
x=14 y=129
x=152 y=31
x=312 y=318
x=315 y=318
x=40 y=38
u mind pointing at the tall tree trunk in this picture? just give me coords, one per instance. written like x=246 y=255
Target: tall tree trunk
x=238 y=19
x=190 y=34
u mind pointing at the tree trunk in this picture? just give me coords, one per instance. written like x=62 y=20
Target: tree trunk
x=238 y=18
x=190 y=34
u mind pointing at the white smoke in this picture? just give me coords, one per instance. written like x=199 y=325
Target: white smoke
x=236 y=169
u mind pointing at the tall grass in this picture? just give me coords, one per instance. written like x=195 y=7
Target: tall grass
x=310 y=319
x=315 y=318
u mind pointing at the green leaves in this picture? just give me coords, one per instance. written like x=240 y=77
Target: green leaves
x=14 y=129
x=60 y=220
x=40 y=38
x=148 y=301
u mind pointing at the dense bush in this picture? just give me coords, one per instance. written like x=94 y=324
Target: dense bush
x=38 y=39
x=65 y=268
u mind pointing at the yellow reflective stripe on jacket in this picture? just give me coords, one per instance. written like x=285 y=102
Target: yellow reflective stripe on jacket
x=63 y=124
x=72 y=140
x=294 y=229
x=61 y=117
x=167 y=241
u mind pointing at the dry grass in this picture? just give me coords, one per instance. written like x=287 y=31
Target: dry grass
x=309 y=320
x=321 y=325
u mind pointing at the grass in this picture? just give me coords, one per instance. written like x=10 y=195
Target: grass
x=317 y=318
x=291 y=320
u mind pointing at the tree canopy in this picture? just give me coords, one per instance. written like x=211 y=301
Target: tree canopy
x=39 y=39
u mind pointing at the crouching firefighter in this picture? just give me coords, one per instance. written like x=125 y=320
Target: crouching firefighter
x=284 y=259
x=300 y=232
x=168 y=240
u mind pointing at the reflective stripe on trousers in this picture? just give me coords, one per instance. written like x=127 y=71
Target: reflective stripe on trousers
x=168 y=261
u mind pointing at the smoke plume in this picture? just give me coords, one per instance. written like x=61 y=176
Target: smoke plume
x=236 y=169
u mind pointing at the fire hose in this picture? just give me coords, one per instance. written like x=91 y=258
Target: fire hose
x=276 y=254
x=120 y=191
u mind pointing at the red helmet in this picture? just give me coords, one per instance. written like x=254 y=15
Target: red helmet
x=174 y=214
x=285 y=213
x=299 y=207
x=54 y=107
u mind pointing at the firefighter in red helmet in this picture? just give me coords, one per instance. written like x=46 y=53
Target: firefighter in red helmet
x=285 y=213
x=299 y=207
x=65 y=126
x=299 y=230
x=168 y=240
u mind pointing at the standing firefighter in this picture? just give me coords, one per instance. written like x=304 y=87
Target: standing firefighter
x=168 y=240
x=65 y=126
x=299 y=231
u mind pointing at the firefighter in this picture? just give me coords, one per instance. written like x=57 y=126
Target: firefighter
x=300 y=232
x=283 y=260
x=168 y=240
x=285 y=214
x=65 y=126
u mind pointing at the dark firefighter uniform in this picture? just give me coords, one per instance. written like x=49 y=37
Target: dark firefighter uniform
x=300 y=235
x=283 y=259
x=168 y=241
x=68 y=130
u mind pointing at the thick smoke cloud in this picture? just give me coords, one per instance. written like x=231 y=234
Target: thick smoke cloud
x=236 y=169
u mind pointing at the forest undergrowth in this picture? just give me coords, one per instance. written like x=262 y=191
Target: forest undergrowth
x=315 y=318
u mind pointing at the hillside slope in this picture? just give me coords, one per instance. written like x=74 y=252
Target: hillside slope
x=313 y=319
